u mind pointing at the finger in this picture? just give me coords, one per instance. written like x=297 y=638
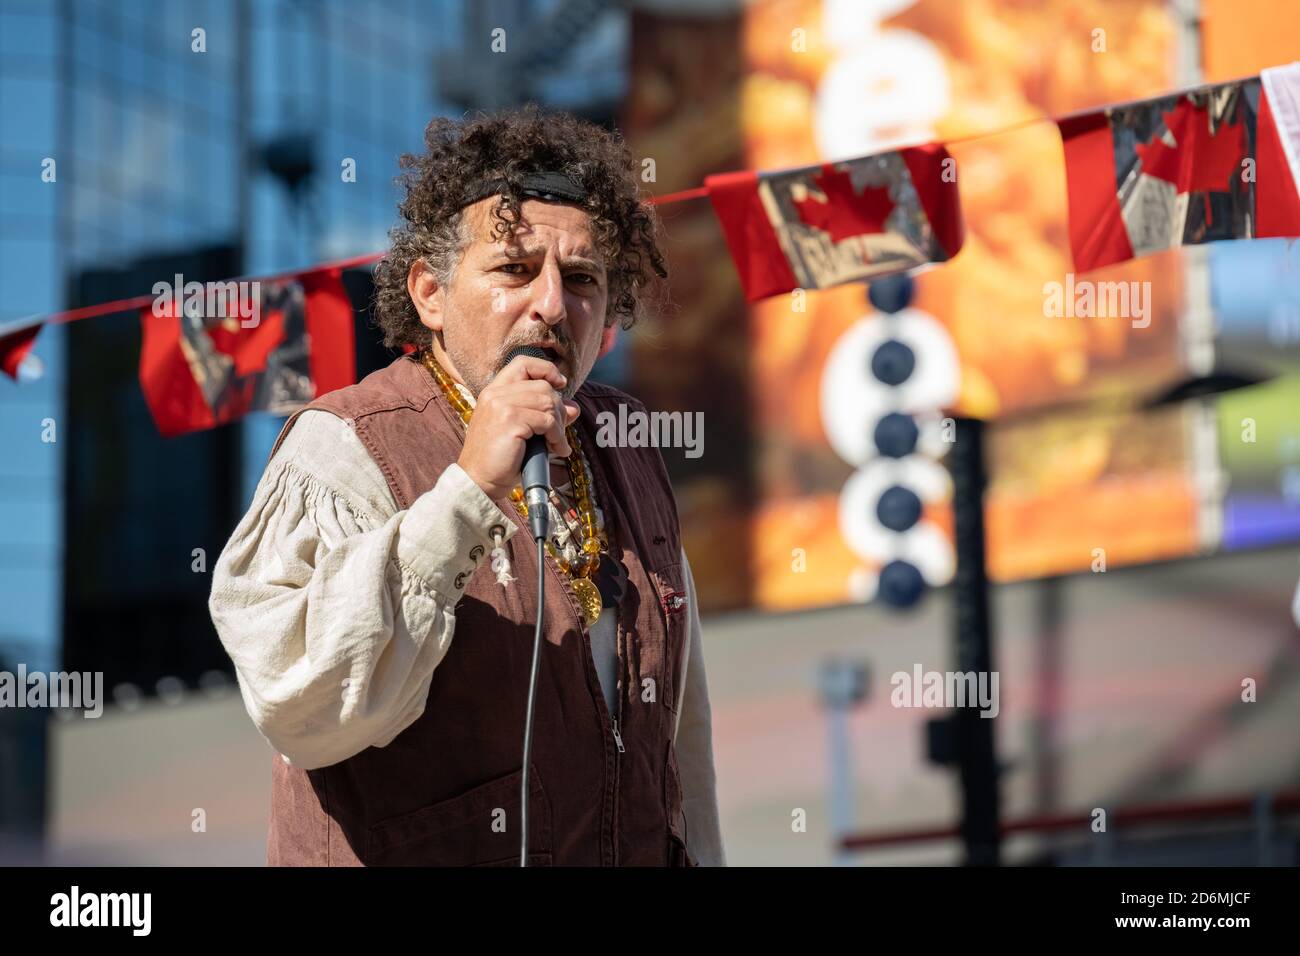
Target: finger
x=548 y=425
x=534 y=393
x=566 y=412
x=521 y=368
x=555 y=436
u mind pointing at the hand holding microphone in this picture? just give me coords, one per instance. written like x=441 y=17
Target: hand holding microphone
x=521 y=403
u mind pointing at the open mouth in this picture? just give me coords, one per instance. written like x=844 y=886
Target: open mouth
x=552 y=355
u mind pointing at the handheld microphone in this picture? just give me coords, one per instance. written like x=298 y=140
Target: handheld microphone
x=537 y=467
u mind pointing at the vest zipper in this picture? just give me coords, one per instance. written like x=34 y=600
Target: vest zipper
x=621 y=651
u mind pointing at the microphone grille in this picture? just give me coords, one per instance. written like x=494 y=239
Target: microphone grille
x=532 y=351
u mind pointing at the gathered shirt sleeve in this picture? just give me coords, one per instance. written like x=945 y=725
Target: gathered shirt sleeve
x=334 y=606
x=694 y=744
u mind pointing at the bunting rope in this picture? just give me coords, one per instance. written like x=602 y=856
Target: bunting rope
x=699 y=192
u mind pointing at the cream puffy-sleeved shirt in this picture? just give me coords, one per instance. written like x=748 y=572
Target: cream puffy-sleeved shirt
x=336 y=608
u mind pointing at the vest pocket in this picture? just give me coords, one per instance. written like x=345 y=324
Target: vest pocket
x=480 y=827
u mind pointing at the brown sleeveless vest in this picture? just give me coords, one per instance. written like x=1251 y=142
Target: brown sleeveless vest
x=445 y=791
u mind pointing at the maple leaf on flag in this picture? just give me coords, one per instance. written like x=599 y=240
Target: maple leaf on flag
x=1200 y=160
x=204 y=368
x=845 y=213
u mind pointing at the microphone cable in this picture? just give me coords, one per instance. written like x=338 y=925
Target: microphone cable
x=532 y=694
x=536 y=486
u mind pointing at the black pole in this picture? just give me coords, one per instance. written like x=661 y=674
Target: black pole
x=976 y=752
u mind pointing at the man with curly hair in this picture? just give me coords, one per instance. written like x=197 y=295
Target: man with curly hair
x=385 y=665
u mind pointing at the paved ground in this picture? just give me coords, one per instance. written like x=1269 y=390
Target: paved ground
x=1149 y=708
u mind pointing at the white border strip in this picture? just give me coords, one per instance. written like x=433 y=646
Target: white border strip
x=1282 y=87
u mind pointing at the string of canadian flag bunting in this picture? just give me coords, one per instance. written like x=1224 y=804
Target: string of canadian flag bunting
x=1214 y=162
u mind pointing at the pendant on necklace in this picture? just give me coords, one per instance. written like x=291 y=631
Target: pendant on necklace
x=588 y=599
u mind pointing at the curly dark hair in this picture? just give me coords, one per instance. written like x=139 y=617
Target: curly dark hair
x=508 y=144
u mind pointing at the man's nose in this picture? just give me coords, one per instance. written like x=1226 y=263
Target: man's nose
x=548 y=295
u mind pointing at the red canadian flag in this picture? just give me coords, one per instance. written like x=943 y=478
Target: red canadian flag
x=14 y=348
x=1219 y=162
x=839 y=222
x=266 y=346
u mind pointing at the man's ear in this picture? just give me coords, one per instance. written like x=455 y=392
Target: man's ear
x=426 y=294
x=607 y=340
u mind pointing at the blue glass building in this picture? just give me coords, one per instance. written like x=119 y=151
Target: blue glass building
x=138 y=139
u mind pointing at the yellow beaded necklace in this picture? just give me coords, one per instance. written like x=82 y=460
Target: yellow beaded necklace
x=594 y=540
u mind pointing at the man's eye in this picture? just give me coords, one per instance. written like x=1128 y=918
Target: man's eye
x=587 y=278
x=514 y=265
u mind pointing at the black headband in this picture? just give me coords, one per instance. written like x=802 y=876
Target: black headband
x=546 y=185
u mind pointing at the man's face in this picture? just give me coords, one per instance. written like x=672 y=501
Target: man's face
x=546 y=286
